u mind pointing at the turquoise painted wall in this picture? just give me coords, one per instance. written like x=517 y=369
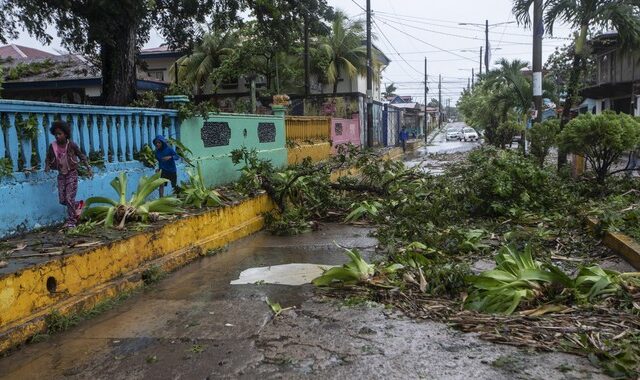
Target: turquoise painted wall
x=213 y=139
x=31 y=200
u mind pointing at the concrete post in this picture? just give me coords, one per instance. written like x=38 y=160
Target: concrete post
x=279 y=111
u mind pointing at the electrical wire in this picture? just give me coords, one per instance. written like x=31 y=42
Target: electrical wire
x=427 y=43
x=393 y=47
x=447 y=34
x=359 y=6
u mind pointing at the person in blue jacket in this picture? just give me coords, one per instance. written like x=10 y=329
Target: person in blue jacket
x=404 y=136
x=167 y=158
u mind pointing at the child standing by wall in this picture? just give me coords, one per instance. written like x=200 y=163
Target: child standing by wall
x=167 y=158
x=64 y=156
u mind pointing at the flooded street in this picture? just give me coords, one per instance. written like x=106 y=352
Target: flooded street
x=194 y=324
x=427 y=157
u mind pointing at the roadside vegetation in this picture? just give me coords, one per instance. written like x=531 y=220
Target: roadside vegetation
x=520 y=218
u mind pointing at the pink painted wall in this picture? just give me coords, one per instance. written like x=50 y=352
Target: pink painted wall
x=345 y=131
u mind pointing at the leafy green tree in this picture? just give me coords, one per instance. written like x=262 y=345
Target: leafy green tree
x=559 y=66
x=543 y=137
x=602 y=139
x=507 y=130
x=501 y=99
x=585 y=15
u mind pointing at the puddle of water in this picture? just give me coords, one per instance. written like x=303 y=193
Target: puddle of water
x=288 y=274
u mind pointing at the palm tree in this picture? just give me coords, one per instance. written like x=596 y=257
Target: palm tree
x=208 y=54
x=343 y=49
x=508 y=75
x=621 y=15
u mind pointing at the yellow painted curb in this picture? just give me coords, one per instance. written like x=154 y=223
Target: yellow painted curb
x=623 y=245
x=85 y=278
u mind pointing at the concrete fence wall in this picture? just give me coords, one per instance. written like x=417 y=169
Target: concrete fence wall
x=212 y=140
x=113 y=135
x=344 y=131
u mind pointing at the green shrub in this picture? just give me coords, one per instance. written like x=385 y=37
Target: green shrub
x=543 y=136
x=506 y=131
x=602 y=139
x=499 y=181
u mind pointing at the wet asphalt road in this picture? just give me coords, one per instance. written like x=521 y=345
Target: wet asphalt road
x=195 y=325
x=424 y=157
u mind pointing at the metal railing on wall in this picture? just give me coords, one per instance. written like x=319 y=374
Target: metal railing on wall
x=114 y=134
x=308 y=127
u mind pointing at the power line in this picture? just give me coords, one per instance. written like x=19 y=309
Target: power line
x=448 y=34
x=422 y=18
x=429 y=44
x=446 y=26
x=394 y=49
x=567 y=28
x=359 y=6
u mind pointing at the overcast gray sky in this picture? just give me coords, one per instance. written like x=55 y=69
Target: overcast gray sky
x=409 y=30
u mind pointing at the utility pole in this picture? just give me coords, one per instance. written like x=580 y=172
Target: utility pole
x=468 y=84
x=538 y=31
x=369 y=80
x=473 y=78
x=439 y=100
x=487 y=50
x=426 y=93
x=307 y=84
x=480 y=60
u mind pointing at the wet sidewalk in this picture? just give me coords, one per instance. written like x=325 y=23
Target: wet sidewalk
x=195 y=325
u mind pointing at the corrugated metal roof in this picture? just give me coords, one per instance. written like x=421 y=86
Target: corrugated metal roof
x=14 y=51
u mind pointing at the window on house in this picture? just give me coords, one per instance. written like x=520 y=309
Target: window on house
x=156 y=74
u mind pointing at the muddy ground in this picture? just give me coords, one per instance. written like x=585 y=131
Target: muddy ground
x=194 y=325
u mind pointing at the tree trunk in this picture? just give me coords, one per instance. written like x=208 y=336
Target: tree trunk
x=335 y=87
x=572 y=89
x=568 y=103
x=119 y=67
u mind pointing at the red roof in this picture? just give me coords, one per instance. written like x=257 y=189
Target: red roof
x=22 y=52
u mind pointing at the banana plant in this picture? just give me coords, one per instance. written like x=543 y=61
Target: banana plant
x=356 y=271
x=517 y=278
x=119 y=211
x=594 y=282
x=197 y=194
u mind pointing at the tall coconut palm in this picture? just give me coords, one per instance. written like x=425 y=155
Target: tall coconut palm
x=198 y=66
x=585 y=15
x=343 y=49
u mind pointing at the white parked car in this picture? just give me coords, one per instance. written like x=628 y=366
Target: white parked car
x=454 y=134
x=469 y=134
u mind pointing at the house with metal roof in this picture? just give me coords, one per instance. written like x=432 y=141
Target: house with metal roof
x=32 y=74
x=617 y=84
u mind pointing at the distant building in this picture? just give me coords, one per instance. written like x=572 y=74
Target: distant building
x=617 y=85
